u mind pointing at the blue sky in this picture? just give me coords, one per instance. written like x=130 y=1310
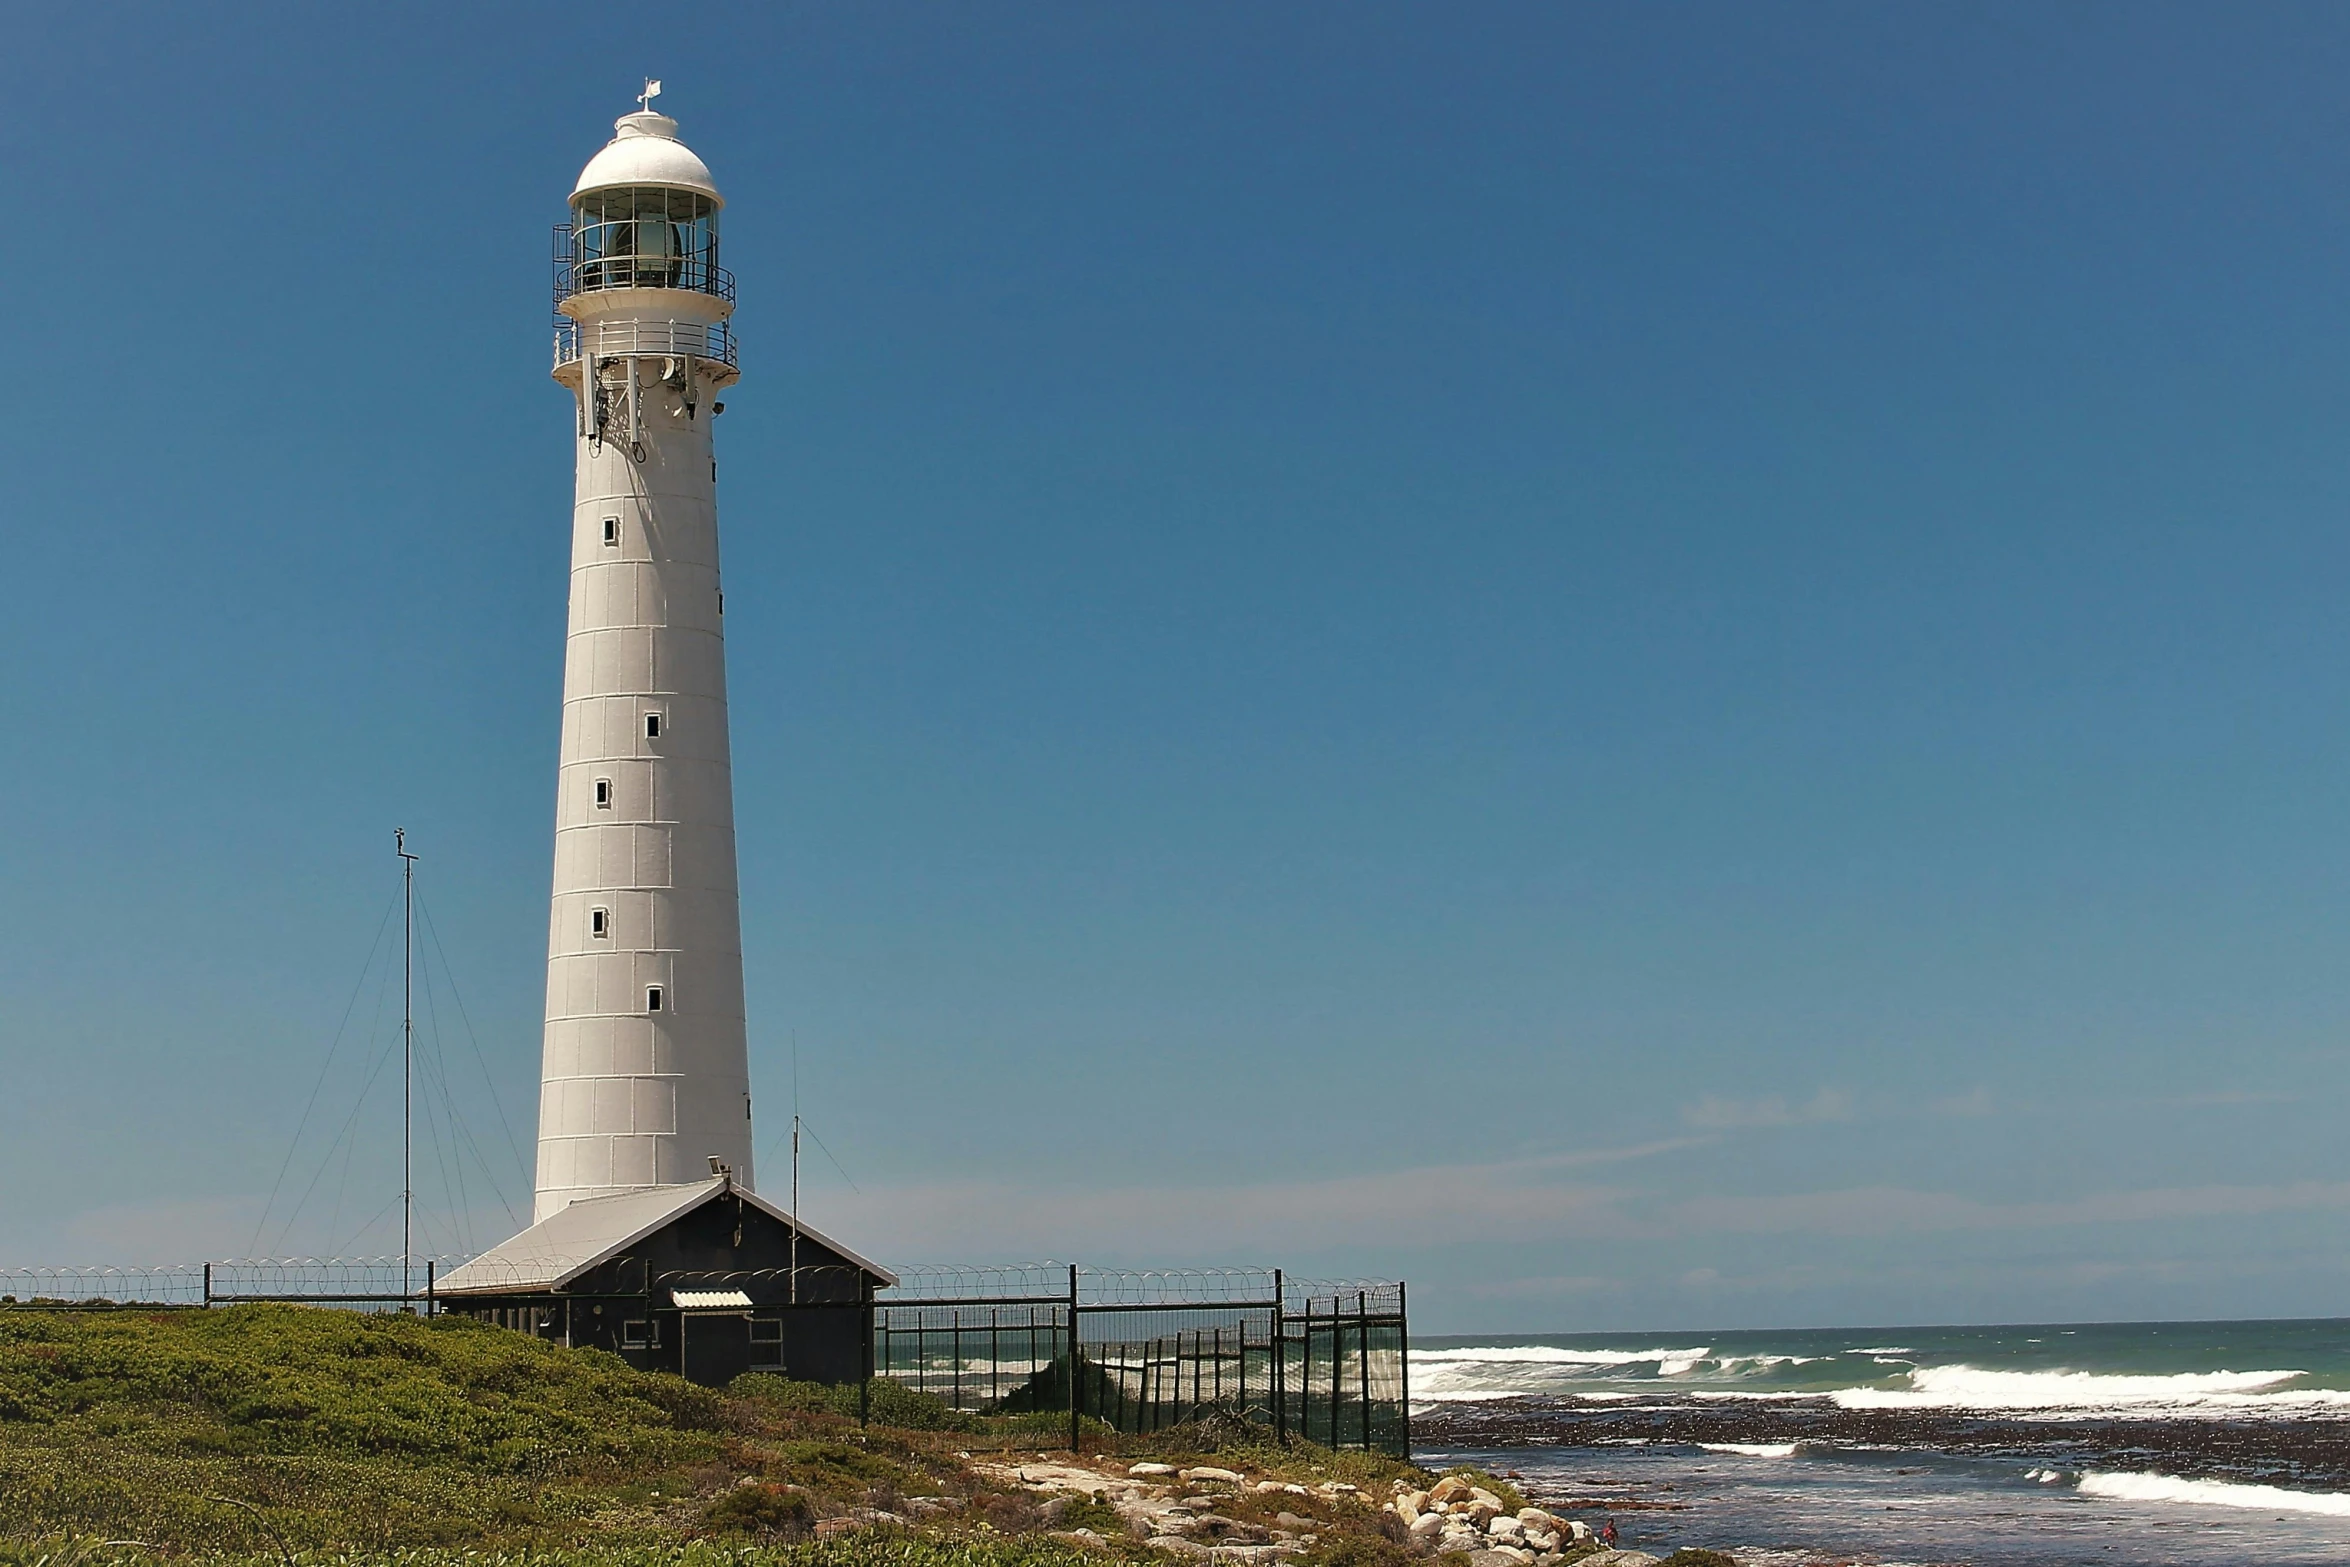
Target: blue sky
x=1657 y=666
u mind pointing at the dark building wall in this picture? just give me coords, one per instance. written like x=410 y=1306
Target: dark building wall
x=809 y=1323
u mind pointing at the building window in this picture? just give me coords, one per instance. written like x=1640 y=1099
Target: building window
x=603 y=794
x=640 y=1334
x=599 y=922
x=766 y=1342
x=652 y=998
x=652 y=726
x=611 y=530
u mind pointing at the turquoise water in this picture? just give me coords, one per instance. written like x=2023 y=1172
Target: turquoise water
x=2125 y=1444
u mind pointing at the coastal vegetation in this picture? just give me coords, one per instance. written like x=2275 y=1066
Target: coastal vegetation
x=290 y=1436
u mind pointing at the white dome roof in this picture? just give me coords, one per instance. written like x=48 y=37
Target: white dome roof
x=644 y=150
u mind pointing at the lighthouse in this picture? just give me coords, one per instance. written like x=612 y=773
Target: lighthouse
x=645 y=1076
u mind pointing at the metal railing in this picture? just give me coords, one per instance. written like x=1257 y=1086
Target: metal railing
x=610 y=339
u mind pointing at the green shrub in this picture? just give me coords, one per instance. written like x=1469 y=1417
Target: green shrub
x=1689 y=1556
x=891 y=1403
x=1091 y=1512
x=760 y=1509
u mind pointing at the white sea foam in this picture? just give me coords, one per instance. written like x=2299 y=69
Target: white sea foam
x=2129 y=1487
x=1452 y=1376
x=1752 y=1449
x=1547 y=1355
x=1883 y=1349
x=1971 y=1387
x=1733 y=1363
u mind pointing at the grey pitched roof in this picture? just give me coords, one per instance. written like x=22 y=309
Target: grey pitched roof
x=564 y=1245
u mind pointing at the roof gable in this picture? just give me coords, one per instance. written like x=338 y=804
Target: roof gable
x=586 y=1234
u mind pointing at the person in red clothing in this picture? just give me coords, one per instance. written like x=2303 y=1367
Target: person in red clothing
x=1607 y=1533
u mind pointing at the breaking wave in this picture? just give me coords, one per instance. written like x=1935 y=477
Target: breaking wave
x=1971 y=1387
x=2123 y=1486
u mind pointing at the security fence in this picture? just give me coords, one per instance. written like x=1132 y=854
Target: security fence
x=1138 y=1351
x=1141 y=1351
x=365 y=1283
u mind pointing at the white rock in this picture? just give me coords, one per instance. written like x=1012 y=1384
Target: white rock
x=1577 y=1529
x=1150 y=1469
x=1543 y=1539
x=1506 y=1529
x=1428 y=1526
x=1478 y=1493
x=1194 y=1476
x=1266 y=1485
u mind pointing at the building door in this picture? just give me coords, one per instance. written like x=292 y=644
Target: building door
x=717 y=1346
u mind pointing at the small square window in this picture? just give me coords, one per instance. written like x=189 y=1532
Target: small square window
x=599 y=922
x=652 y=726
x=611 y=530
x=603 y=794
x=637 y=1335
x=652 y=998
x=766 y=1330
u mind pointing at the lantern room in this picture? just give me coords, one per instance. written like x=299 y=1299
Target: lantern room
x=643 y=215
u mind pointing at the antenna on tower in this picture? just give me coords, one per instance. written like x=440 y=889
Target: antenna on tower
x=407 y=1053
x=652 y=90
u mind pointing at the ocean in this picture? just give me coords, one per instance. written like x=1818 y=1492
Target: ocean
x=2163 y=1444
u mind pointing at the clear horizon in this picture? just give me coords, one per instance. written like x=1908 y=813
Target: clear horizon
x=1640 y=666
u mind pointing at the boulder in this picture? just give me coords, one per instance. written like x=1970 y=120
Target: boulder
x=1505 y=1529
x=1483 y=1513
x=1140 y=1471
x=1486 y=1498
x=1577 y=1529
x=1182 y=1547
x=1501 y=1556
x=1538 y=1518
x=1428 y=1526
x=1403 y=1507
x=1204 y=1473
x=1293 y=1521
x=1544 y=1539
x=1450 y=1489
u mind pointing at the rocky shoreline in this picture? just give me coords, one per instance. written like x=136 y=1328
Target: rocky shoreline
x=2309 y=1453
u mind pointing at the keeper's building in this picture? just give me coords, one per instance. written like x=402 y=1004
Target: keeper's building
x=708 y=1280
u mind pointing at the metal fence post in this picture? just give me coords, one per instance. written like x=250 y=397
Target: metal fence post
x=1363 y=1358
x=1280 y=1364
x=864 y=1383
x=208 y=1286
x=1073 y=1342
x=1403 y=1339
x=429 y=1266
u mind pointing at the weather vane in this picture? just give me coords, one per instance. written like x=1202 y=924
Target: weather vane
x=645 y=98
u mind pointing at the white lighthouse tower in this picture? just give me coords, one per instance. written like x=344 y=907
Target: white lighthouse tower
x=645 y=1079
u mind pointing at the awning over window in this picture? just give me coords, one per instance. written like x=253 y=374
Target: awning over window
x=709 y=1300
